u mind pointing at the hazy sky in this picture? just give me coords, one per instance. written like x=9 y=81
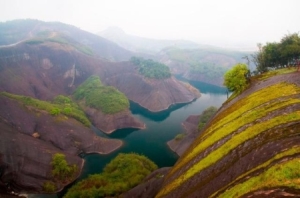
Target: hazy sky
x=218 y=22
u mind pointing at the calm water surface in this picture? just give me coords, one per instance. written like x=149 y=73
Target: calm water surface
x=161 y=127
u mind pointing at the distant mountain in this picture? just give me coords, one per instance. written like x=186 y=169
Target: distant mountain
x=143 y=45
x=207 y=65
x=190 y=60
x=12 y=32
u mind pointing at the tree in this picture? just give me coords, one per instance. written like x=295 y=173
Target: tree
x=60 y=167
x=235 y=79
x=275 y=55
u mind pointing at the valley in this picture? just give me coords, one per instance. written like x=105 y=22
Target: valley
x=120 y=115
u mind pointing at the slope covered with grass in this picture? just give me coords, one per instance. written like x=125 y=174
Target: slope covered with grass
x=248 y=140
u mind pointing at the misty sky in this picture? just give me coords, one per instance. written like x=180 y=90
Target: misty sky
x=216 y=22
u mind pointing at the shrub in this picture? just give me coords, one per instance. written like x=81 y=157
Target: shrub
x=49 y=187
x=235 y=79
x=121 y=174
x=61 y=169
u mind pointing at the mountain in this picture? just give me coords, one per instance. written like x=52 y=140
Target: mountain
x=143 y=45
x=202 y=64
x=12 y=32
x=190 y=60
x=44 y=111
x=249 y=148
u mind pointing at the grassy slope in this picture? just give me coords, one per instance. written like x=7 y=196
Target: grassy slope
x=60 y=105
x=104 y=98
x=246 y=111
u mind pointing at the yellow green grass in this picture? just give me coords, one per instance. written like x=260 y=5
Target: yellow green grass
x=60 y=105
x=285 y=174
x=269 y=74
x=236 y=140
x=292 y=151
x=246 y=111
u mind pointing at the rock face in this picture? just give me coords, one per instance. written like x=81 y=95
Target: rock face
x=25 y=158
x=190 y=126
x=251 y=148
x=155 y=95
x=111 y=122
x=150 y=186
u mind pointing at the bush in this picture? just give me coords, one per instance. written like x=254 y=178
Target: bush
x=61 y=169
x=49 y=187
x=121 y=174
x=235 y=79
x=104 y=98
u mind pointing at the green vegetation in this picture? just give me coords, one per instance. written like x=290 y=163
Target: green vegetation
x=61 y=169
x=292 y=151
x=104 y=98
x=285 y=174
x=274 y=55
x=247 y=110
x=179 y=136
x=205 y=116
x=236 y=140
x=235 y=79
x=121 y=174
x=49 y=187
x=68 y=107
x=269 y=74
x=151 y=69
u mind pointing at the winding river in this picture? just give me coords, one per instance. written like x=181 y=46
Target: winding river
x=160 y=128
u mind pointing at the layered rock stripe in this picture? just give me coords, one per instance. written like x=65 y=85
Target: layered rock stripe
x=249 y=138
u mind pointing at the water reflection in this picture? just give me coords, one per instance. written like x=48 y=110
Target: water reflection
x=155 y=116
x=160 y=127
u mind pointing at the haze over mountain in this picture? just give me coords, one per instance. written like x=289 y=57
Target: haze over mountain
x=222 y=23
x=141 y=44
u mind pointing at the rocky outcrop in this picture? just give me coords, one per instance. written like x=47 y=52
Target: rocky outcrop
x=25 y=158
x=153 y=94
x=150 y=186
x=111 y=122
x=249 y=149
x=26 y=162
x=190 y=126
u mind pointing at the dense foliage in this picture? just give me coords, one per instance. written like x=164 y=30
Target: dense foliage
x=151 y=69
x=274 y=55
x=60 y=105
x=235 y=78
x=61 y=169
x=120 y=175
x=104 y=98
x=206 y=115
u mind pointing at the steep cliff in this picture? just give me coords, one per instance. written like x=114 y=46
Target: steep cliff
x=251 y=148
